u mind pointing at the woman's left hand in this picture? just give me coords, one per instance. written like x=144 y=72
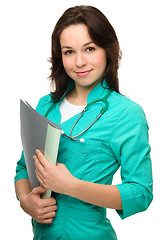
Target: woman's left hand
x=54 y=177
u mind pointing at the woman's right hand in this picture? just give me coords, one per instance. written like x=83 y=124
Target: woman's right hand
x=42 y=210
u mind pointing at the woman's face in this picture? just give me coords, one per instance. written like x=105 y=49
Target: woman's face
x=83 y=60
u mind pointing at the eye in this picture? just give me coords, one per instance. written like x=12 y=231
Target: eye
x=90 y=49
x=68 y=52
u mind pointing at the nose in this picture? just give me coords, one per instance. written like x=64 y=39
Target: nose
x=80 y=60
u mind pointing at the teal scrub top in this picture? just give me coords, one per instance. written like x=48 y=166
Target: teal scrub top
x=118 y=139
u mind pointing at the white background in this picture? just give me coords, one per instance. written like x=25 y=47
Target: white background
x=25 y=46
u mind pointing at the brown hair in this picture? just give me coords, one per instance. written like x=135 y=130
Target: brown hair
x=102 y=34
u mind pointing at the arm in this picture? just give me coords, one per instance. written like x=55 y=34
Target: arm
x=107 y=196
x=58 y=179
x=130 y=144
x=42 y=210
x=22 y=187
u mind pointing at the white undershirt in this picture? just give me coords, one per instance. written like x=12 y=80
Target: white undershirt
x=68 y=110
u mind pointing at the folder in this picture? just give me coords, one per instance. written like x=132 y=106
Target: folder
x=37 y=132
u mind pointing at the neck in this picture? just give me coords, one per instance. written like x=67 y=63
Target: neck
x=78 y=95
x=74 y=97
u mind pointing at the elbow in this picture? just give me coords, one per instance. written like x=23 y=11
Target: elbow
x=148 y=198
x=132 y=204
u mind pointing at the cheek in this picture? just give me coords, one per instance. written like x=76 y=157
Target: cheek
x=67 y=64
x=101 y=64
x=100 y=60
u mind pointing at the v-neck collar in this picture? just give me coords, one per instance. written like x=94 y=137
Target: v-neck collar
x=98 y=91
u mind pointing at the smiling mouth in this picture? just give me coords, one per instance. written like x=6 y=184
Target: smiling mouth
x=84 y=73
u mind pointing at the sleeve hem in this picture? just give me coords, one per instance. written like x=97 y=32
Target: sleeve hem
x=133 y=204
x=24 y=176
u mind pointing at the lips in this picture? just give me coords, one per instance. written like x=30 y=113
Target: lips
x=84 y=73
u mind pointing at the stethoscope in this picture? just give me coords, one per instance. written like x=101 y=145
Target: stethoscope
x=103 y=110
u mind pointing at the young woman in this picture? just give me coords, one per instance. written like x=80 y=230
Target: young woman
x=85 y=60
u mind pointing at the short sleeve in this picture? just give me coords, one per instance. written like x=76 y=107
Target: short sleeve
x=130 y=144
x=21 y=170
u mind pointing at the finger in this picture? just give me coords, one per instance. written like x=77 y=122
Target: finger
x=39 y=177
x=45 y=221
x=49 y=215
x=46 y=217
x=49 y=202
x=59 y=164
x=38 y=190
x=38 y=164
x=41 y=158
x=48 y=210
x=38 y=152
x=39 y=170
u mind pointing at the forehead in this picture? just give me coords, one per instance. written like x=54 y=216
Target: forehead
x=75 y=35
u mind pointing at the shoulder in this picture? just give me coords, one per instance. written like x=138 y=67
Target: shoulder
x=44 y=103
x=124 y=107
x=129 y=120
x=45 y=99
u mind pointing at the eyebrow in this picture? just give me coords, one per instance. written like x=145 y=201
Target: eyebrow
x=86 y=44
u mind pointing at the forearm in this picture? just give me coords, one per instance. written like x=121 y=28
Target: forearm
x=59 y=179
x=22 y=187
x=107 y=196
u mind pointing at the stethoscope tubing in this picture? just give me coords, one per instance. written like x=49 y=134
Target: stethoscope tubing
x=84 y=129
x=103 y=110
